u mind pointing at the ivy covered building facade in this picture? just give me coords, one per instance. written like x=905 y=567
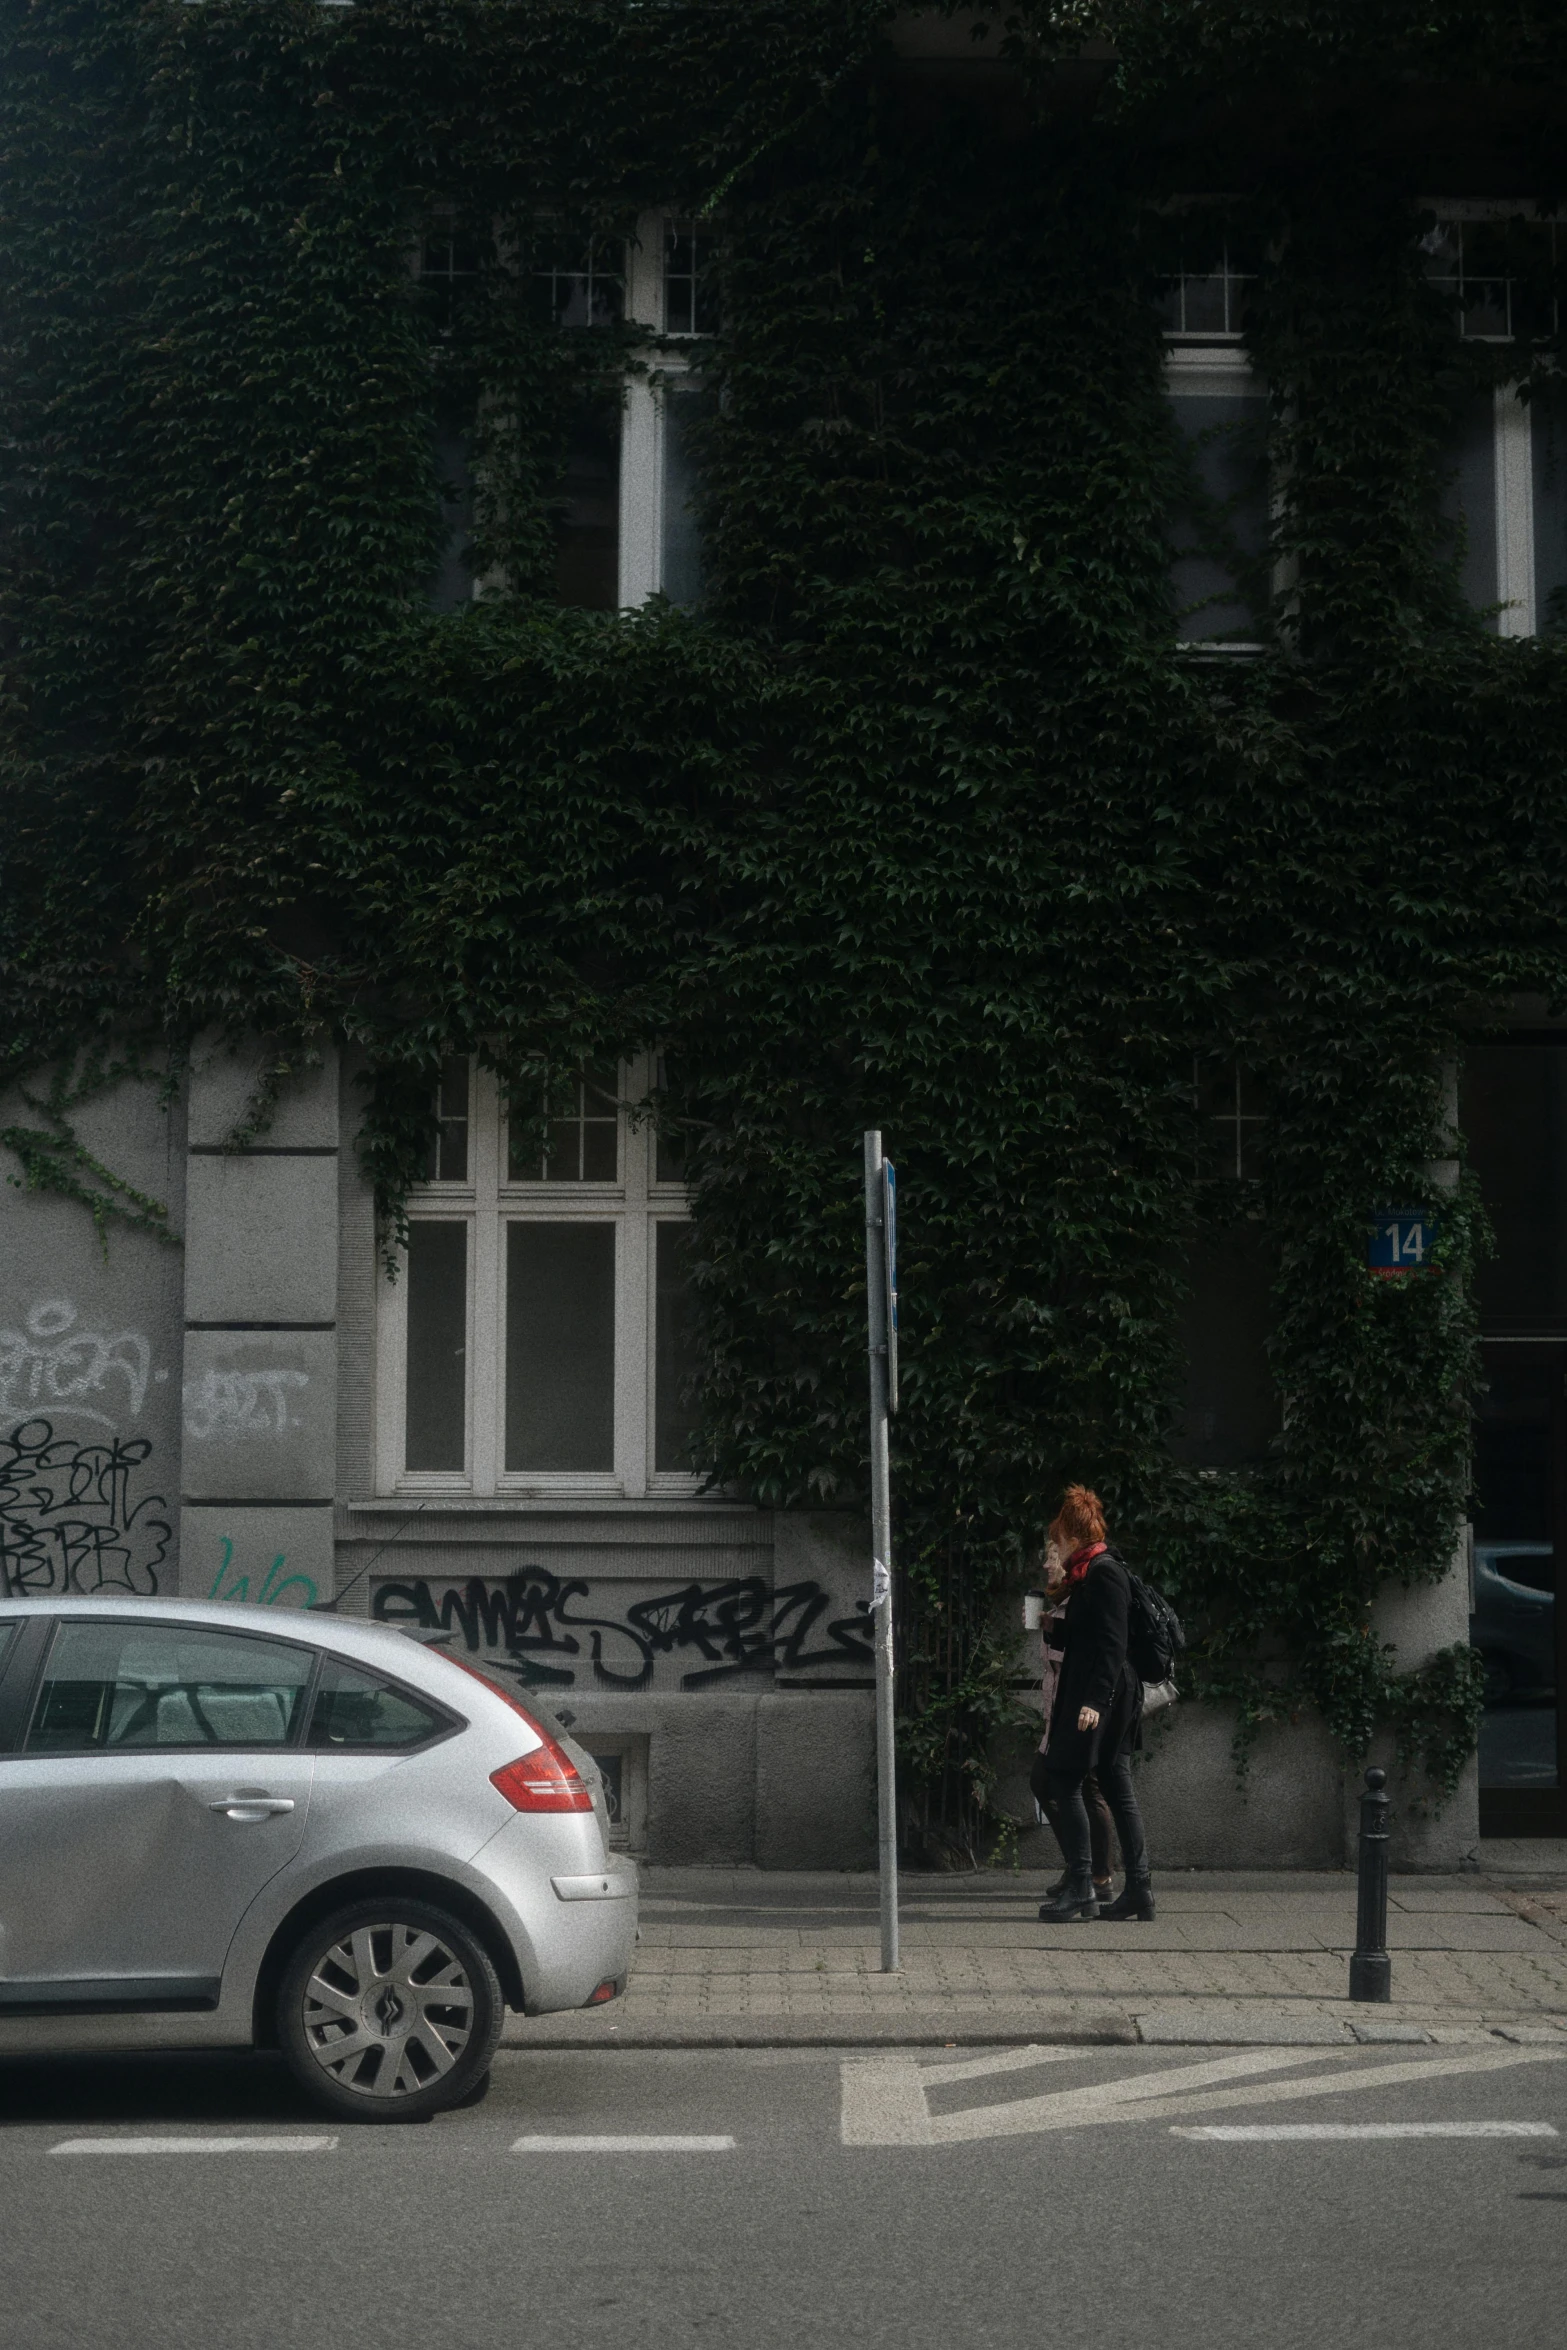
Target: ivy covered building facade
x=595 y=599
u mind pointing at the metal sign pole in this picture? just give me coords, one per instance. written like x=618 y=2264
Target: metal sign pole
x=880 y=1274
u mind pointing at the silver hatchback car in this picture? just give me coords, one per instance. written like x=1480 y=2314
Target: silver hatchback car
x=220 y=1827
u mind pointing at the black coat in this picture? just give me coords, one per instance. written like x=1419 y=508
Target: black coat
x=1095 y=1671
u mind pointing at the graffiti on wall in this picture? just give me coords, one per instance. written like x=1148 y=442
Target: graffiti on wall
x=242 y=1403
x=54 y=1364
x=548 y=1629
x=71 y=1519
x=273 y=1589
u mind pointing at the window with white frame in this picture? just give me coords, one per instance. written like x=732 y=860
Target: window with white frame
x=539 y=1336
x=1501 y=265
x=1221 y=577
x=625 y=505
x=1205 y=296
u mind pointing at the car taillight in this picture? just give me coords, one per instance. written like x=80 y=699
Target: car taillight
x=545 y=1780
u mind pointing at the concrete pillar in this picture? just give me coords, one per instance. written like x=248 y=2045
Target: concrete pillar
x=260 y=1389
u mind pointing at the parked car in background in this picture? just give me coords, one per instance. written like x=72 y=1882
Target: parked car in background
x=1513 y=1620
x=225 y=1827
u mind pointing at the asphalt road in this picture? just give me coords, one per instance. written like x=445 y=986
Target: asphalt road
x=1003 y=2197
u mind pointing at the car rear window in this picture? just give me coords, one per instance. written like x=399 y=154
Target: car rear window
x=110 y=1685
x=356 y=1708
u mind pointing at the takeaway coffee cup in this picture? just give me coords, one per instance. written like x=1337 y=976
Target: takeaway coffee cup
x=1033 y=1610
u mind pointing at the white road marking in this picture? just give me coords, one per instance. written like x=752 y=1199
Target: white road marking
x=1010 y=2060
x=883 y=2102
x=542 y=2144
x=1252 y=2133
x=296 y=2145
x=885 y=2099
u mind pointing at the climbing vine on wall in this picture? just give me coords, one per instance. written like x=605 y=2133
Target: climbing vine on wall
x=921 y=821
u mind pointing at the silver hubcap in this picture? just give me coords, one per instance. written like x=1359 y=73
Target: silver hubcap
x=388 y=2011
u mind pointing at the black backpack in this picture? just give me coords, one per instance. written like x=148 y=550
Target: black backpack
x=1154 y=1638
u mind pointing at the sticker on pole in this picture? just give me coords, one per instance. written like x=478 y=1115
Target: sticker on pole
x=881 y=1583
x=889 y=1235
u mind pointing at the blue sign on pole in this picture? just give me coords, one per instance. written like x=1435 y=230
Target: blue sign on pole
x=1402 y=1240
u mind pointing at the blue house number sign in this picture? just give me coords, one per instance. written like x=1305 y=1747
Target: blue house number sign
x=1402 y=1240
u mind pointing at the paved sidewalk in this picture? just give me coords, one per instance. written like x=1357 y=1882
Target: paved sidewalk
x=737 y=1958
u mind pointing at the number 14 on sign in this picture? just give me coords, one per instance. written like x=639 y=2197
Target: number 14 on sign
x=1401 y=1241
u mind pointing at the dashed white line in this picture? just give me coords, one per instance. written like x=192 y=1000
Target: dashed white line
x=1249 y=2133
x=542 y=2144
x=311 y=2144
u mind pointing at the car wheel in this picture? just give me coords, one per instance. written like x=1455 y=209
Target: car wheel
x=389 y=2011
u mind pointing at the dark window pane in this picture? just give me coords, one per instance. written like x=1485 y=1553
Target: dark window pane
x=448 y=1158
x=1517 y=1512
x=1231 y=1122
x=1221 y=539
x=587 y=513
x=354 y=1708
x=1513 y=1107
x=669 y=1157
x=578 y=281
x=560 y=1346
x=7 y=1635
x=1230 y=1409
x=675 y=1358
x=1206 y=312
x=448 y=267
x=1469 y=498
x=690 y=307
x=1548 y=456
x=133 y=1685
x=687 y=410
x=452 y=585
x=581 y=1137
x=437 y=1276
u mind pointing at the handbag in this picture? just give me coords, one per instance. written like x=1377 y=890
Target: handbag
x=1157 y=1695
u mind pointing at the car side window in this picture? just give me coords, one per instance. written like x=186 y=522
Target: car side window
x=108 y=1686
x=7 y=1635
x=355 y=1708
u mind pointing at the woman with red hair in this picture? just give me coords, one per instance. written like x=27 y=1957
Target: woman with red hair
x=1095 y=1718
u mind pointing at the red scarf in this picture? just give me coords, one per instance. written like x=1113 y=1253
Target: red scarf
x=1080 y=1561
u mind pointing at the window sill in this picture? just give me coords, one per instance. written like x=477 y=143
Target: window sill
x=577 y=1499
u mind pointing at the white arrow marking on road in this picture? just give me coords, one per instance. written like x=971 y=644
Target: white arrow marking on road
x=297 y=2145
x=885 y=2099
x=626 y=2145
x=1255 y=2133
x=1073 y=2110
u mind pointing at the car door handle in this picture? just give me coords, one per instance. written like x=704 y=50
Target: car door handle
x=237 y=1806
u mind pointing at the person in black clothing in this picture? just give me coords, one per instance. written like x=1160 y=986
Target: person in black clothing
x=1096 y=1718
x=1051 y=1568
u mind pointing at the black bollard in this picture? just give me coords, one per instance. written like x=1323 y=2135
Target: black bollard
x=1370 y=1968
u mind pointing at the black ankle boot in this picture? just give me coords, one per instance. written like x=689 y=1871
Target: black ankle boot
x=1055 y=1891
x=1075 y=1901
x=1135 y=1902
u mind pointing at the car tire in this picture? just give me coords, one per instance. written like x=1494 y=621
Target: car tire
x=389 y=2011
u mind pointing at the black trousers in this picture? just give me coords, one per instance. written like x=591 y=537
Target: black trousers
x=1073 y=1830
x=1101 y=1829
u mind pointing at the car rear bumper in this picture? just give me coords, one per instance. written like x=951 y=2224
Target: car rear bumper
x=573 y=1928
